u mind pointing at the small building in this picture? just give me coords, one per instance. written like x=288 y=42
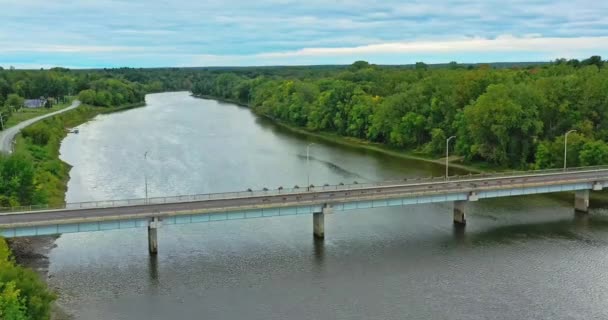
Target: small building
x=34 y=103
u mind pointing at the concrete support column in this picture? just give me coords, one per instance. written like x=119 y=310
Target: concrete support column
x=459 y=217
x=318 y=224
x=581 y=200
x=152 y=236
x=318 y=221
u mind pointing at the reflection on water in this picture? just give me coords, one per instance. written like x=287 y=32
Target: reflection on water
x=154 y=270
x=518 y=258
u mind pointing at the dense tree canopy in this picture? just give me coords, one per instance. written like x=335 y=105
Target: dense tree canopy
x=511 y=116
x=112 y=92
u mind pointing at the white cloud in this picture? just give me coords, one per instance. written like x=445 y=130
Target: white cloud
x=508 y=47
x=504 y=43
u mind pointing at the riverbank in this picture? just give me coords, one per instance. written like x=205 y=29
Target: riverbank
x=364 y=144
x=33 y=253
x=41 y=142
x=34 y=298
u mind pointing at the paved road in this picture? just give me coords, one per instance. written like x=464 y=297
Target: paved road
x=304 y=198
x=7 y=136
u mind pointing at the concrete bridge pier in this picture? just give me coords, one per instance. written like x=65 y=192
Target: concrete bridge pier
x=581 y=201
x=152 y=236
x=318 y=221
x=459 y=217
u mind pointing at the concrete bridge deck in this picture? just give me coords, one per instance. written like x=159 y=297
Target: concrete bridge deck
x=119 y=214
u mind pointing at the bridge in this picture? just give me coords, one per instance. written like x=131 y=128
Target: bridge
x=313 y=200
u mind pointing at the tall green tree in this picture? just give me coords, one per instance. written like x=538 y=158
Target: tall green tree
x=16 y=180
x=503 y=124
x=594 y=153
x=14 y=101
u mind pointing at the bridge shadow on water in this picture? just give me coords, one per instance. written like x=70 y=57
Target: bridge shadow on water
x=318 y=253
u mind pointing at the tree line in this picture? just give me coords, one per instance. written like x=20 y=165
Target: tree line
x=513 y=117
x=100 y=87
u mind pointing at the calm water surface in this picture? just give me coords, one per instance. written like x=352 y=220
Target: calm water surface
x=519 y=258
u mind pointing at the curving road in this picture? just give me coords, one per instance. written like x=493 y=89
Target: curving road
x=7 y=136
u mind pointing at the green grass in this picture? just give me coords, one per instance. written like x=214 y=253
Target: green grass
x=27 y=113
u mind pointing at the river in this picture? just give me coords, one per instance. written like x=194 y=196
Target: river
x=518 y=258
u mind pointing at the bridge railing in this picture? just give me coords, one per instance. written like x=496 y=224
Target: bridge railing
x=291 y=191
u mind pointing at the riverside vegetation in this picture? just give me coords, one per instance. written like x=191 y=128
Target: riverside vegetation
x=504 y=116
x=22 y=294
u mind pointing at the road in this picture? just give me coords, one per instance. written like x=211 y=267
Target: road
x=304 y=198
x=7 y=136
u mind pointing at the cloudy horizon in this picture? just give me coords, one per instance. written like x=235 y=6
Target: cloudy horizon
x=183 y=33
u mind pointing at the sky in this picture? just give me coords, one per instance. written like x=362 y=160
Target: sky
x=187 y=33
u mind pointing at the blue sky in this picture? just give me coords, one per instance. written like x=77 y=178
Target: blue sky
x=155 y=33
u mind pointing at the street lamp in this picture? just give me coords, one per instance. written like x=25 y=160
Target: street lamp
x=146 y=175
x=447 y=154
x=566 y=146
x=308 y=166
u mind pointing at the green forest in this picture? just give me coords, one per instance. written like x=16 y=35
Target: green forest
x=513 y=117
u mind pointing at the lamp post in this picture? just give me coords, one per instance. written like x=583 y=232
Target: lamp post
x=146 y=175
x=308 y=166
x=447 y=154
x=566 y=147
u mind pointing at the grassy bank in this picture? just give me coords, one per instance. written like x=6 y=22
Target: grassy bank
x=41 y=142
x=27 y=113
